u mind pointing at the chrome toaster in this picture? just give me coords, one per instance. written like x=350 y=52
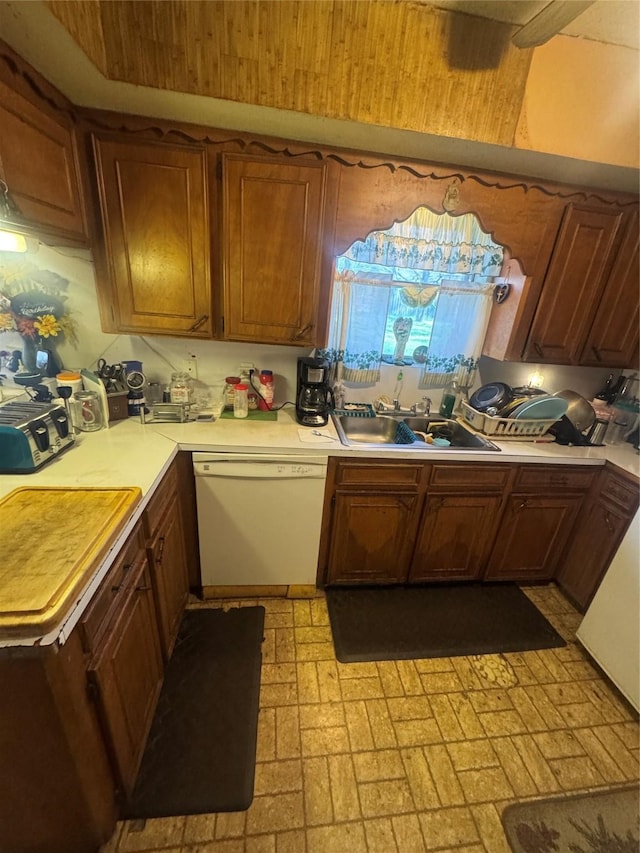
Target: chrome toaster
x=31 y=434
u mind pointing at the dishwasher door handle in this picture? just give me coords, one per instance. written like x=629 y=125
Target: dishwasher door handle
x=256 y=470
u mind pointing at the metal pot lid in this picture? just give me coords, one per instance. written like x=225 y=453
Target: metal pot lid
x=495 y=394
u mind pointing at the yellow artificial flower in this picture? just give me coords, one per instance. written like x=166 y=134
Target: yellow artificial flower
x=6 y=323
x=47 y=326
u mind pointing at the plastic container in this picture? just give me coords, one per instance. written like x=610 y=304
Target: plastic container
x=240 y=401
x=449 y=397
x=266 y=388
x=70 y=379
x=229 y=390
x=181 y=388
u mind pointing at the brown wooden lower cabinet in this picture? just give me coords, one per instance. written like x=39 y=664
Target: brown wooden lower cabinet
x=532 y=534
x=75 y=718
x=608 y=513
x=456 y=533
x=127 y=672
x=372 y=537
x=448 y=522
x=167 y=557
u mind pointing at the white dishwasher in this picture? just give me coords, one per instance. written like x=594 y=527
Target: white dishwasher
x=259 y=517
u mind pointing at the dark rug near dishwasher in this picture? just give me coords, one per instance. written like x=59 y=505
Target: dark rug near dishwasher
x=201 y=752
x=447 y=620
x=597 y=821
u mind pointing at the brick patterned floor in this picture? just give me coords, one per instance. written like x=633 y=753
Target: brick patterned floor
x=408 y=756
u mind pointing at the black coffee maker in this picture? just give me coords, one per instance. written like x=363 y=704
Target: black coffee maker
x=314 y=397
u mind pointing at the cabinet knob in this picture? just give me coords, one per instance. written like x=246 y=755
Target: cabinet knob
x=538 y=349
x=607 y=521
x=8 y=207
x=523 y=505
x=199 y=322
x=302 y=332
x=596 y=352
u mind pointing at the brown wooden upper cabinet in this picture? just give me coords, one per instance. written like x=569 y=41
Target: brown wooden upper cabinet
x=153 y=267
x=39 y=172
x=571 y=309
x=272 y=232
x=613 y=339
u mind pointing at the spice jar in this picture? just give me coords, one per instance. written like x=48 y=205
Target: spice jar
x=181 y=388
x=240 y=401
x=229 y=390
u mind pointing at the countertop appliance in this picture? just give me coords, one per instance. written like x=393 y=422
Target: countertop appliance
x=31 y=434
x=610 y=630
x=314 y=397
x=259 y=517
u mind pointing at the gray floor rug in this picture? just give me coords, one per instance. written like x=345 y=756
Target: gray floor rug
x=600 y=822
x=201 y=752
x=441 y=620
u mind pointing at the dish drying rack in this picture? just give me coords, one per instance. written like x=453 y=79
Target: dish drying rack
x=356 y=410
x=508 y=429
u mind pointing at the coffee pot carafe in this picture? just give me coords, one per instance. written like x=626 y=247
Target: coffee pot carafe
x=314 y=397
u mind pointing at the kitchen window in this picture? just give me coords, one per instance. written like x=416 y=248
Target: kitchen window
x=419 y=293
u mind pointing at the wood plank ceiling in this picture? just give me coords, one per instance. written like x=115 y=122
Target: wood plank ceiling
x=393 y=63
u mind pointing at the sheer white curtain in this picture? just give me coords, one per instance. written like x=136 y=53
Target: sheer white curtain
x=358 y=319
x=459 y=327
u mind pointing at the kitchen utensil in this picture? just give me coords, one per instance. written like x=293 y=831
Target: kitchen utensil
x=496 y=394
x=579 y=410
x=323 y=434
x=545 y=407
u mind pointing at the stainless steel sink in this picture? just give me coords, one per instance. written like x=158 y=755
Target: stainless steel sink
x=381 y=432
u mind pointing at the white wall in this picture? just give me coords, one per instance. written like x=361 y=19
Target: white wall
x=163 y=355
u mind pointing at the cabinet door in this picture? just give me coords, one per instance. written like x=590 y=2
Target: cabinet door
x=591 y=550
x=573 y=286
x=127 y=672
x=273 y=219
x=455 y=537
x=531 y=536
x=38 y=163
x=153 y=269
x=613 y=339
x=372 y=537
x=169 y=575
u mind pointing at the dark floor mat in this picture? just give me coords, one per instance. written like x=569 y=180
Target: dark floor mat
x=400 y=623
x=201 y=752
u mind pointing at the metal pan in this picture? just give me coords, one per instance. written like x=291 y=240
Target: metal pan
x=496 y=394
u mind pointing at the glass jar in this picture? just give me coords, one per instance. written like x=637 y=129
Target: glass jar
x=229 y=390
x=86 y=411
x=240 y=401
x=181 y=388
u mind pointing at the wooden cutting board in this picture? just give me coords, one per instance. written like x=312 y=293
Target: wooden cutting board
x=51 y=542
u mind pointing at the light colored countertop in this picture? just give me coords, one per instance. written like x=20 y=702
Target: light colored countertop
x=130 y=453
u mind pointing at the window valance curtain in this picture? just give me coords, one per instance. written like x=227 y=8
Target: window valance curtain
x=431 y=242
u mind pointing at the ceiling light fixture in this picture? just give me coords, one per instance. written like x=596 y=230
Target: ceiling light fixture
x=549 y=22
x=10 y=241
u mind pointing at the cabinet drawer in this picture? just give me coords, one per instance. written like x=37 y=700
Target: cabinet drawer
x=160 y=500
x=107 y=600
x=480 y=477
x=390 y=474
x=620 y=491
x=554 y=476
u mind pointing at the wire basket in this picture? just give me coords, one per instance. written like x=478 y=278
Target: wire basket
x=506 y=428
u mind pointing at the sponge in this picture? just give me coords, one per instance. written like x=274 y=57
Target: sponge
x=404 y=435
